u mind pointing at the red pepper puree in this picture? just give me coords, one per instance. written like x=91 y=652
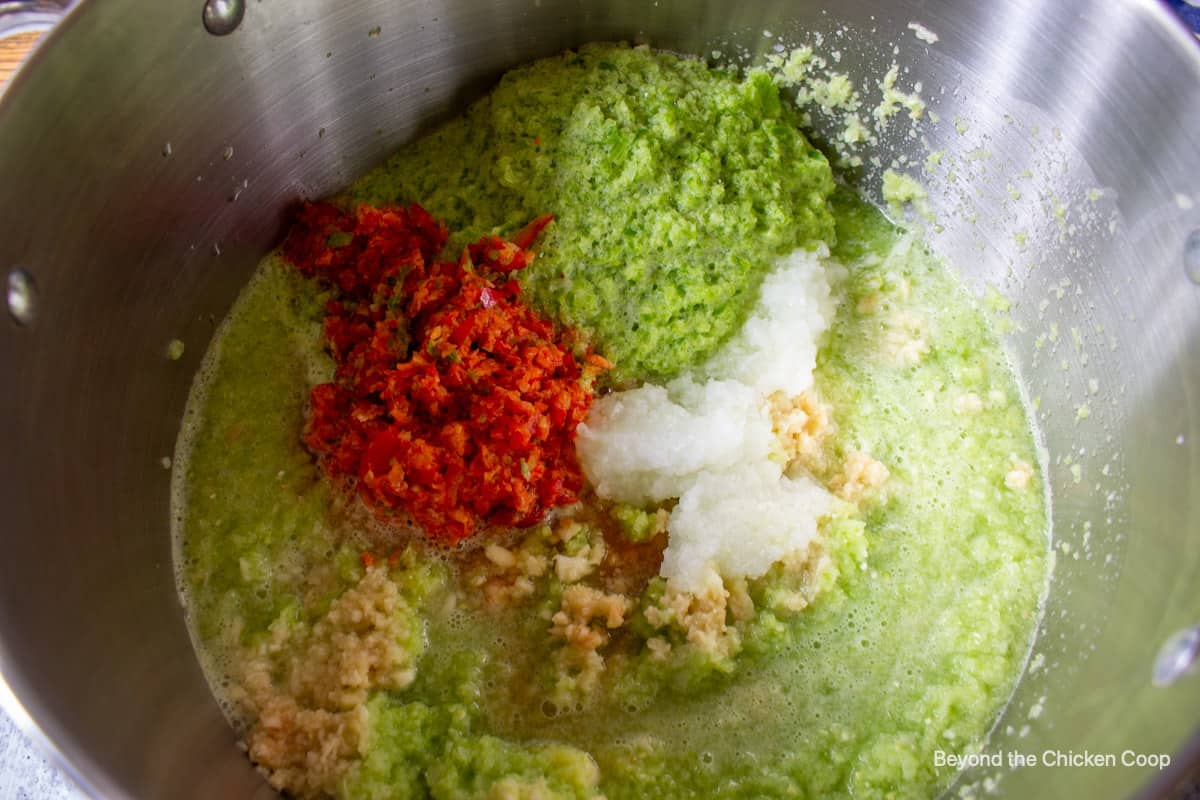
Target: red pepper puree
x=453 y=403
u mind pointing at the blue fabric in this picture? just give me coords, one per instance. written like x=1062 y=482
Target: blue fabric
x=1187 y=12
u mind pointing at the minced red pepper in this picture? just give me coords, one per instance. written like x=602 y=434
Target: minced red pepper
x=452 y=401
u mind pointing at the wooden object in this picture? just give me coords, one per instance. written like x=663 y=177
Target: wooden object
x=13 y=51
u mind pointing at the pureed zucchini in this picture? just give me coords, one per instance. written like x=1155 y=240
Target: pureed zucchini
x=553 y=661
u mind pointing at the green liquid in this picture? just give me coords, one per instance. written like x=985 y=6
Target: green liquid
x=914 y=654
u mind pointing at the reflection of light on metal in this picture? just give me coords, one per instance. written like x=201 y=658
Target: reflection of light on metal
x=221 y=17
x=1191 y=255
x=21 y=297
x=1177 y=656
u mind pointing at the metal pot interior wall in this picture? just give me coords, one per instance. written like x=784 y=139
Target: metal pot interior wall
x=146 y=166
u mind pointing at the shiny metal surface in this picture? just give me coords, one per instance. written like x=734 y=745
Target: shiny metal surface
x=1191 y=256
x=221 y=17
x=20 y=297
x=1178 y=657
x=22 y=16
x=120 y=201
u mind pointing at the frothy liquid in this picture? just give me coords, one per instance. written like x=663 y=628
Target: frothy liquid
x=912 y=653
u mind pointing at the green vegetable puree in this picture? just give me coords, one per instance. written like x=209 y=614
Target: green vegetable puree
x=673 y=187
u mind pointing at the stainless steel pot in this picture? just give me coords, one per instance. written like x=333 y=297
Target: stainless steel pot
x=144 y=166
